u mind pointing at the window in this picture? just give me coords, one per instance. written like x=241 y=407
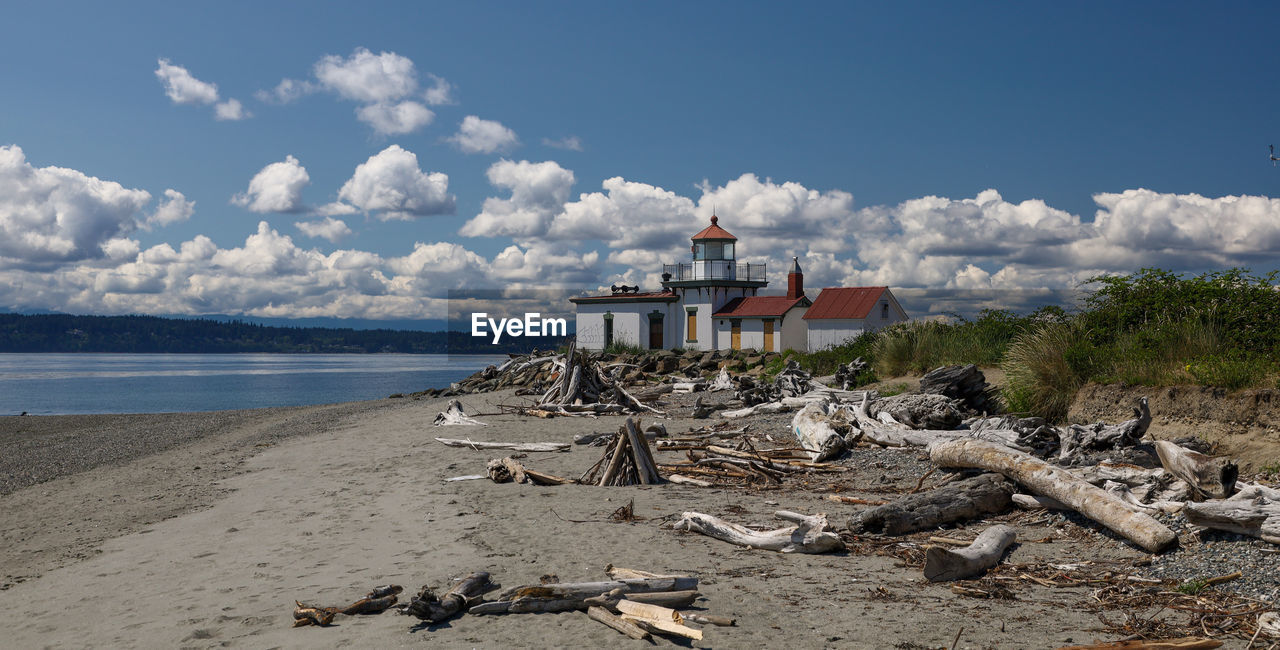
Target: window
x=884 y=311
x=728 y=250
x=715 y=250
x=692 y=325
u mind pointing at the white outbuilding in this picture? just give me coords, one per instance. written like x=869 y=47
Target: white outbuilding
x=843 y=313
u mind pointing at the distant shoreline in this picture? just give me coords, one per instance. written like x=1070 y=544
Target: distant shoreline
x=63 y=333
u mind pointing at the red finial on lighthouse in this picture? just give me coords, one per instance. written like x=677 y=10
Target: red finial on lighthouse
x=714 y=219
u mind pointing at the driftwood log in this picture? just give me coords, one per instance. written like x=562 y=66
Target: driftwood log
x=1254 y=511
x=1078 y=437
x=582 y=590
x=513 y=446
x=985 y=552
x=616 y=622
x=428 y=607
x=1048 y=480
x=920 y=410
x=812 y=426
x=1212 y=477
x=453 y=415
x=375 y=602
x=966 y=499
x=964 y=383
x=810 y=535
x=508 y=470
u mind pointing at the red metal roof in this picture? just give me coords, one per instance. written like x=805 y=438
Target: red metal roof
x=651 y=296
x=758 y=306
x=713 y=231
x=845 y=302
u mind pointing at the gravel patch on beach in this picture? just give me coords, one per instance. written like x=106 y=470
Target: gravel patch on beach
x=40 y=448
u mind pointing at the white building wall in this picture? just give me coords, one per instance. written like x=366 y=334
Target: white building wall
x=630 y=323
x=795 y=331
x=829 y=332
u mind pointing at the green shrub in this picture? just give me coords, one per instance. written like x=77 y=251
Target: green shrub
x=1230 y=371
x=1041 y=371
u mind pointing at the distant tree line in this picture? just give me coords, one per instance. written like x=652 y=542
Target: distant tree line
x=67 y=333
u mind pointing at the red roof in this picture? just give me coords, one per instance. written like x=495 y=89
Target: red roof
x=713 y=231
x=758 y=306
x=651 y=296
x=845 y=302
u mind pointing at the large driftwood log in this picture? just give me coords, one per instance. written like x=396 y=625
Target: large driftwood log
x=1254 y=511
x=812 y=426
x=513 y=446
x=966 y=499
x=428 y=607
x=1212 y=477
x=985 y=552
x=920 y=410
x=1043 y=478
x=810 y=535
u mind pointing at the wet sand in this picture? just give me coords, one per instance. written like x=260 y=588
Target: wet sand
x=207 y=542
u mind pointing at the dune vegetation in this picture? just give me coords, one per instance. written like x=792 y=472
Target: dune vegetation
x=1153 y=327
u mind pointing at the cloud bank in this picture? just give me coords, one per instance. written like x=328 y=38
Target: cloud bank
x=66 y=239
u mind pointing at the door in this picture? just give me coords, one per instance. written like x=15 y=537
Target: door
x=735 y=336
x=768 y=336
x=655 y=334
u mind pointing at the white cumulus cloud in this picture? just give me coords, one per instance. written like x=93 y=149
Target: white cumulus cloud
x=326 y=228
x=440 y=92
x=53 y=214
x=391 y=184
x=368 y=77
x=538 y=193
x=182 y=87
x=230 y=110
x=395 y=119
x=483 y=136
x=286 y=92
x=276 y=188
x=571 y=143
x=173 y=208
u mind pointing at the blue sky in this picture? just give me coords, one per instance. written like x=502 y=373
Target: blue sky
x=584 y=142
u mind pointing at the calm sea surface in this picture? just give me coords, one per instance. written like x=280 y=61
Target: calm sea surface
x=59 y=384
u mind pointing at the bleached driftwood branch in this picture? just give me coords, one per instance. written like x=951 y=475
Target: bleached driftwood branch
x=810 y=535
x=513 y=446
x=985 y=552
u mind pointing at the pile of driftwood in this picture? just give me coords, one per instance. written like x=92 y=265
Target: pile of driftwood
x=627 y=460
x=708 y=464
x=850 y=374
x=635 y=603
x=579 y=386
x=1072 y=467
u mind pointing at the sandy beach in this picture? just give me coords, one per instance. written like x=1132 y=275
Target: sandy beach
x=206 y=537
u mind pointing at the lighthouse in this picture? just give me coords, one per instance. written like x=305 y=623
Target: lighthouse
x=711 y=302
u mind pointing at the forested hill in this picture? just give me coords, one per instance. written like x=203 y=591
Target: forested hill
x=66 y=333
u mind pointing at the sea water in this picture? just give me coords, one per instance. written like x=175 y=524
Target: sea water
x=60 y=384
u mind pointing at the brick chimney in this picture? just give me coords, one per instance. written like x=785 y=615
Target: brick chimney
x=795 y=280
